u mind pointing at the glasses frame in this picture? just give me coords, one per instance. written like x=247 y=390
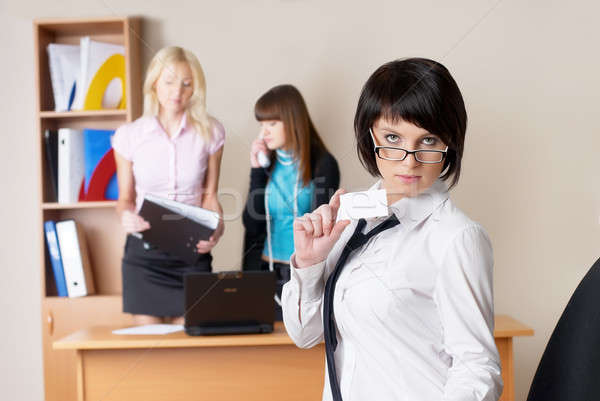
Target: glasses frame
x=407 y=152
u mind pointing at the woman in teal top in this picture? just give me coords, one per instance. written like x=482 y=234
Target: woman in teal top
x=296 y=176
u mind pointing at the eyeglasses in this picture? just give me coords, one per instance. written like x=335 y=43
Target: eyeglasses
x=399 y=154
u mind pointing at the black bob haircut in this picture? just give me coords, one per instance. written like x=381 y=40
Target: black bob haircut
x=419 y=91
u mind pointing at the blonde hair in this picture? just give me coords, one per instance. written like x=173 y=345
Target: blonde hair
x=196 y=109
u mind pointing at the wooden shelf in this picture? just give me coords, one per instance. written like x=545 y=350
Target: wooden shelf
x=71 y=23
x=79 y=205
x=100 y=224
x=87 y=298
x=84 y=114
x=64 y=27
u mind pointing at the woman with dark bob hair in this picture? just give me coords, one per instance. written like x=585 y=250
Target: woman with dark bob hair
x=403 y=302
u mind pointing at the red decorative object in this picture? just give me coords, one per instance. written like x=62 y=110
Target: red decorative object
x=101 y=176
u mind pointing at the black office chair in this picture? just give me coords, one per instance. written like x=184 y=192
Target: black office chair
x=570 y=366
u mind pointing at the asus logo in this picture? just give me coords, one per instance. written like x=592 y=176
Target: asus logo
x=230 y=290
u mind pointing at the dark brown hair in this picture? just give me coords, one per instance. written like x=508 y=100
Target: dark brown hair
x=286 y=104
x=419 y=91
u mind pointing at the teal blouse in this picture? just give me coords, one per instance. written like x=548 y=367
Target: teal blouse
x=279 y=197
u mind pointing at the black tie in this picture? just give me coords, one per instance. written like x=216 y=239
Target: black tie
x=357 y=240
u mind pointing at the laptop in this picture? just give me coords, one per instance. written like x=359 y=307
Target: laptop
x=236 y=302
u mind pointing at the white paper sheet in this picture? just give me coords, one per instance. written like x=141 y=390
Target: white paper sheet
x=150 y=329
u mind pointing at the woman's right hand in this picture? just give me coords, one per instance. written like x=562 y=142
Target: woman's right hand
x=258 y=145
x=316 y=233
x=133 y=222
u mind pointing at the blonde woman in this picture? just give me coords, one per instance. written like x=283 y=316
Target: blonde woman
x=174 y=151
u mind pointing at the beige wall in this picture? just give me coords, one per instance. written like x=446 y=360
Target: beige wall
x=529 y=72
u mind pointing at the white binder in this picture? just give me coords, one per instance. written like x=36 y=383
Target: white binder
x=75 y=258
x=71 y=164
x=63 y=61
x=93 y=55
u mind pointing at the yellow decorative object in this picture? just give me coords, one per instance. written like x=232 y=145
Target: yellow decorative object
x=113 y=67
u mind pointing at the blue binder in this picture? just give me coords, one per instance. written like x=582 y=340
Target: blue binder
x=96 y=144
x=55 y=258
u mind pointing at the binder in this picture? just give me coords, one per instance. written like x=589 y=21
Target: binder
x=55 y=258
x=75 y=259
x=51 y=148
x=176 y=227
x=100 y=167
x=97 y=64
x=63 y=61
x=71 y=165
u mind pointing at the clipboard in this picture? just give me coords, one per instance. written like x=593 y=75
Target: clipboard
x=177 y=227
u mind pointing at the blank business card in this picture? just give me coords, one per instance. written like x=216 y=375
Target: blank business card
x=363 y=205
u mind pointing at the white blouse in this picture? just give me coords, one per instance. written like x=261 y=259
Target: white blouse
x=413 y=307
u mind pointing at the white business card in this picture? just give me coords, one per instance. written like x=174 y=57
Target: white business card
x=363 y=205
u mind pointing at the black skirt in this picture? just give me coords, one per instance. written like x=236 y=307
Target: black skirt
x=153 y=279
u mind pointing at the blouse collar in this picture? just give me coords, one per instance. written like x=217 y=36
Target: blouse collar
x=154 y=124
x=413 y=210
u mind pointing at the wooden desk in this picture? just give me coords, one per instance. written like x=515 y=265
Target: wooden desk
x=507 y=328
x=248 y=367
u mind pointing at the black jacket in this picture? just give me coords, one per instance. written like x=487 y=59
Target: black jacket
x=570 y=366
x=326 y=178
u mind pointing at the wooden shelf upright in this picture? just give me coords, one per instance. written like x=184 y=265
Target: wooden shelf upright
x=62 y=315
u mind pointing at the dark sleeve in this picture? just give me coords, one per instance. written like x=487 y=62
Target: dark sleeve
x=253 y=250
x=254 y=219
x=326 y=178
x=254 y=212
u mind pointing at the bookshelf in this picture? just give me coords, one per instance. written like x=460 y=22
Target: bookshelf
x=91 y=114
x=79 y=205
x=104 y=236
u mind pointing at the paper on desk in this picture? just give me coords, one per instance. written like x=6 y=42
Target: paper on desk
x=363 y=205
x=151 y=329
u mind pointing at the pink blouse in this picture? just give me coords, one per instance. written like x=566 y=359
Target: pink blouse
x=172 y=168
